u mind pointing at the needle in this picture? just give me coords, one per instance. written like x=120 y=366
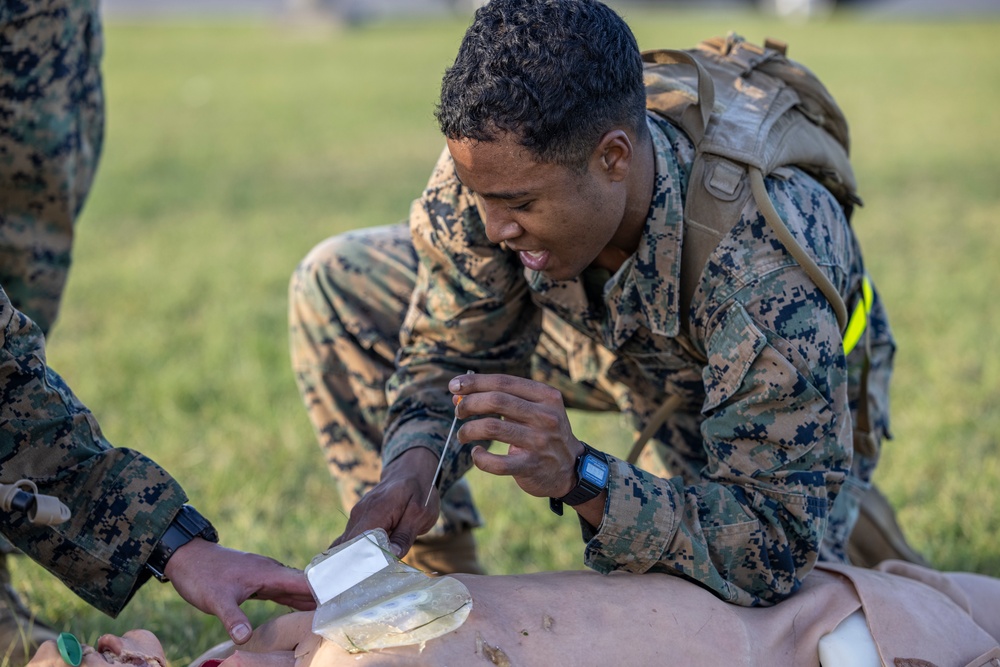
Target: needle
x=444 y=451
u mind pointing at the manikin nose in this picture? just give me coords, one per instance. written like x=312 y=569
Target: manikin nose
x=111 y=643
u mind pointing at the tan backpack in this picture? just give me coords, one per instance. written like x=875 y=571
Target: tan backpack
x=749 y=111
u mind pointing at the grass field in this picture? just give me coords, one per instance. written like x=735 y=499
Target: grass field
x=233 y=148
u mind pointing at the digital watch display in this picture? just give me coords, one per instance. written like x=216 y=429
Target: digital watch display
x=592 y=479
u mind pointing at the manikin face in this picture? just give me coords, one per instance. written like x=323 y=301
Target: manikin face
x=135 y=647
x=138 y=648
x=558 y=220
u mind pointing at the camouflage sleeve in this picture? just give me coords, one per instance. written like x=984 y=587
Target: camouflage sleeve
x=777 y=431
x=121 y=502
x=470 y=310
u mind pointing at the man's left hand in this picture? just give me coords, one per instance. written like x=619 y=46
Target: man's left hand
x=530 y=417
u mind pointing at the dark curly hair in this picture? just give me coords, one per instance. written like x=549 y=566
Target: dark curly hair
x=558 y=73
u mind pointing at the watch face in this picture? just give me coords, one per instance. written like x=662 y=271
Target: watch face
x=594 y=471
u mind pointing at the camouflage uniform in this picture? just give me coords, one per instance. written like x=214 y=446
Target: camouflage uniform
x=120 y=500
x=343 y=353
x=763 y=441
x=51 y=132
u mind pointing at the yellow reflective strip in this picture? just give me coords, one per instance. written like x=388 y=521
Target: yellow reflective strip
x=859 y=318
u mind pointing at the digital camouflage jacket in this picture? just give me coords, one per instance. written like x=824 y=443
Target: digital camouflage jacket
x=763 y=442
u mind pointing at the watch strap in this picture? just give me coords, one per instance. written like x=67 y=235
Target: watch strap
x=584 y=490
x=187 y=525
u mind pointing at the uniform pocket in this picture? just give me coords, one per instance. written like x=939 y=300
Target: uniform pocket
x=732 y=349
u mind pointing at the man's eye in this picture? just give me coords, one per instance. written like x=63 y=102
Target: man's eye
x=520 y=207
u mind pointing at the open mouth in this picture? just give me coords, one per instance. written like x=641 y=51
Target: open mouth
x=129 y=658
x=534 y=259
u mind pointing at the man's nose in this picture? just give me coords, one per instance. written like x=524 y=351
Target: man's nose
x=500 y=224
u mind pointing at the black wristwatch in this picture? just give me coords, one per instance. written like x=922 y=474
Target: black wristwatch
x=592 y=476
x=187 y=525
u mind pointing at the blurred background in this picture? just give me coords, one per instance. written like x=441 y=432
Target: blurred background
x=241 y=133
x=360 y=10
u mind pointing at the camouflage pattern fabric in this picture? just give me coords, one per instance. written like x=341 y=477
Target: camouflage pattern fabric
x=121 y=502
x=763 y=442
x=347 y=302
x=22 y=103
x=51 y=132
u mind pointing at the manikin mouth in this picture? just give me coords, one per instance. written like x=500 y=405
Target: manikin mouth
x=129 y=658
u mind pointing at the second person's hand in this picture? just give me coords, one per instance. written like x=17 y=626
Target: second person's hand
x=397 y=503
x=218 y=580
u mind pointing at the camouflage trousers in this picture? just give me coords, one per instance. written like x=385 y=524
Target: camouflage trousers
x=51 y=133
x=348 y=298
x=347 y=301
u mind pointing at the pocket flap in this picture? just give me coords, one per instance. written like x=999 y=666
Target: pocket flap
x=731 y=351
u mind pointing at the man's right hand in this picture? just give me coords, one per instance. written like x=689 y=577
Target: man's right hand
x=396 y=503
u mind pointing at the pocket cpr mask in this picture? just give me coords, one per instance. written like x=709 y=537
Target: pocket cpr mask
x=369 y=599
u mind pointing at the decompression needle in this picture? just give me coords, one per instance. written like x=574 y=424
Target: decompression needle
x=447 y=441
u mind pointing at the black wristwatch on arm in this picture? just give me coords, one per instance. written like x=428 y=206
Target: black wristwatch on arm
x=592 y=479
x=187 y=525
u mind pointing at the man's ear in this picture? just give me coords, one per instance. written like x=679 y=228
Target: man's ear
x=614 y=152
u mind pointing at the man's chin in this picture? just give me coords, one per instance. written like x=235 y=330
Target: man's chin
x=561 y=276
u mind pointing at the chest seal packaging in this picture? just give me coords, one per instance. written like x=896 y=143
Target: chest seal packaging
x=368 y=599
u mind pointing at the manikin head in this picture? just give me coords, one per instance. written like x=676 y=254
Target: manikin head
x=137 y=648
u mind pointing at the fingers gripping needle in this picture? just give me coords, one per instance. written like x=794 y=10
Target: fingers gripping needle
x=444 y=451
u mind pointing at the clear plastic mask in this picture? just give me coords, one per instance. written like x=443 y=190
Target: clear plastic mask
x=368 y=599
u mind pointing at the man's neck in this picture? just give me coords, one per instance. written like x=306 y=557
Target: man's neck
x=639 y=197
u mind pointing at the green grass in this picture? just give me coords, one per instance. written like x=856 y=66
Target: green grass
x=233 y=148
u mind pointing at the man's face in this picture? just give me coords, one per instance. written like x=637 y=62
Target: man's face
x=558 y=220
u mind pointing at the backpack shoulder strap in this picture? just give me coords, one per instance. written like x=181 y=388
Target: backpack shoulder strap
x=741 y=106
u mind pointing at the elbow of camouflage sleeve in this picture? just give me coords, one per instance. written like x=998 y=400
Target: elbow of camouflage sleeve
x=784 y=547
